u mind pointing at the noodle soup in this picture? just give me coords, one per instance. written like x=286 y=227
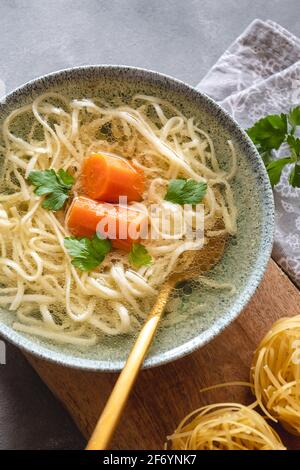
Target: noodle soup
x=50 y=296
x=73 y=153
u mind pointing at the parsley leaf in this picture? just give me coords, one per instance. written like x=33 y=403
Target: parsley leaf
x=139 y=255
x=87 y=254
x=294 y=144
x=269 y=132
x=65 y=178
x=55 y=201
x=266 y=155
x=275 y=168
x=182 y=191
x=294 y=118
x=294 y=177
x=55 y=186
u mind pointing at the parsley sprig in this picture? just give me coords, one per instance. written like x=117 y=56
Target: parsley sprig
x=268 y=134
x=139 y=255
x=55 y=186
x=87 y=254
x=183 y=191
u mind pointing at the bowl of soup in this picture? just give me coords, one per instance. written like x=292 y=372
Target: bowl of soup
x=111 y=178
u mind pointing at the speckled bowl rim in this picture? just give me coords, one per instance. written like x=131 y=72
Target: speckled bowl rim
x=267 y=220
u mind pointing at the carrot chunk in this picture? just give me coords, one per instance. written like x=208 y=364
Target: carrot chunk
x=106 y=177
x=122 y=225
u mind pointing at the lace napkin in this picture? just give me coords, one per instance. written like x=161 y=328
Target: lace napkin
x=260 y=74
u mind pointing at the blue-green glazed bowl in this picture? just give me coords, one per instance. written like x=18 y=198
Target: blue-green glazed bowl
x=246 y=255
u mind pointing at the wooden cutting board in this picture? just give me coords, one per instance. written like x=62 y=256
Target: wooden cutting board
x=164 y=395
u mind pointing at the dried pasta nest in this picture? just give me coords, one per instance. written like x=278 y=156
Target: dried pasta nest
x=225 y=426
x=275 y=373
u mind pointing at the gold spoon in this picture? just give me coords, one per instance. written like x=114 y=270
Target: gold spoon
x=203 y=260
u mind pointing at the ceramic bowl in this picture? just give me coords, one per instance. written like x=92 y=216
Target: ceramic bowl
x=246 y=255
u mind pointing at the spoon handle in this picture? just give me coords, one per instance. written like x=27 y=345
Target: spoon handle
x=114 y=407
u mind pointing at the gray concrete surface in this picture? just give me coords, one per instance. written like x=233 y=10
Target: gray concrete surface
x=182 y=38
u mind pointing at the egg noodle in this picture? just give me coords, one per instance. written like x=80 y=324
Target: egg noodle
x=275 y=373
x=225 y=426
x=275 y=382
x=48 y=295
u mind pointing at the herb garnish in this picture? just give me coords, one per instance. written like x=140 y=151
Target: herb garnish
x=183 y=191
x=139 y=255
x=87 y=254
x=55 y=186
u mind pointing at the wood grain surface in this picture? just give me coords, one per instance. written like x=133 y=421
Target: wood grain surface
x=164 y=395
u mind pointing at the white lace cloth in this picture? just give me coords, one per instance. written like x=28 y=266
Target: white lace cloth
x=260 y=74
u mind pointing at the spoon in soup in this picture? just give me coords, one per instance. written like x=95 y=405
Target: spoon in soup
x=202 y=261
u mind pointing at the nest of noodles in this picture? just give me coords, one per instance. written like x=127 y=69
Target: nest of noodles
x=225 y=426
x=275 y=373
